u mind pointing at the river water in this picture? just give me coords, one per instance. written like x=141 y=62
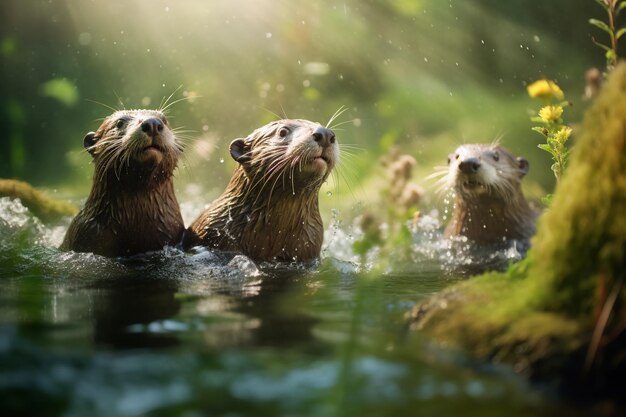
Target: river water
x=208 y=334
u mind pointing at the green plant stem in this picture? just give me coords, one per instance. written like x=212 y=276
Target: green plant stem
x=611 y=12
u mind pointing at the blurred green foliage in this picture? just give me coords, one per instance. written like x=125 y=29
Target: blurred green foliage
x=61 y=89
x=425 y=75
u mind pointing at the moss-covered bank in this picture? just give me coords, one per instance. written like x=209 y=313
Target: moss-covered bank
x=40 y=204
x=561 y=313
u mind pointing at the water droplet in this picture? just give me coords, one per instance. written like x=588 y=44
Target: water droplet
x=329 y=193
x=221 y=160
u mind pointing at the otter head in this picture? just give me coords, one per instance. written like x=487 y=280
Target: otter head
x=292 y=154
x=479 y=170
x=134 y=146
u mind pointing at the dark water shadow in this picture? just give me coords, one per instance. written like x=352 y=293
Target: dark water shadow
x=158 y=300
x=120 y=303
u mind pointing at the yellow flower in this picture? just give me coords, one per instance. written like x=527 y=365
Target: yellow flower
x=550 y=113
x=546 y=90
x=563 y=134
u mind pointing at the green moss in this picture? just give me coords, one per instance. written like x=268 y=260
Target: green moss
x=583 y=236
x=545 y=308
x=42 y=206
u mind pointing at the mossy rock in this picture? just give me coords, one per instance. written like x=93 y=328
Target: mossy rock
x=40 y=204
x=561 y=312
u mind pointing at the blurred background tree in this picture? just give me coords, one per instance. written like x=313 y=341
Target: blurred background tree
x=425 y=75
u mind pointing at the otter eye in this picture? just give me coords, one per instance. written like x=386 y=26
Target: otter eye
x=496 y=156
x=164 y=120
x=120 y=124
x=283 y=131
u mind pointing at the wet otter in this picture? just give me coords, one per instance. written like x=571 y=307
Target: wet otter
x=269 y=210
x=489 y=204
x=132 y=207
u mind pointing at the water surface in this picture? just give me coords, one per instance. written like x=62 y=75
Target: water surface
x=202 y=333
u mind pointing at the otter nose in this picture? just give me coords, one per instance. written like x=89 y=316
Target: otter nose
x=324 y=136
x=469 y=165
x=152 y=126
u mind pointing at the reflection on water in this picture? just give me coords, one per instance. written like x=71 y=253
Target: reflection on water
x=202 y=333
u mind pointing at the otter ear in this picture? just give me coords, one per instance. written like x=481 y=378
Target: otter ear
x=89 y=141
x=523 y=165
x=239 y=150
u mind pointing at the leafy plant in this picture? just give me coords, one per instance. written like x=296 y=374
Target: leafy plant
x=613 y=9
x=552 y=126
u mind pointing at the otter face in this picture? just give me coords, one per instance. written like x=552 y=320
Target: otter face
x=303 y=153
x=134 y=140
x=485 y=170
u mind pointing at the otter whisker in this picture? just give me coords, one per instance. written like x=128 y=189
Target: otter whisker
x=103 y=105
x=166 y=109
x=351 y=146
x=284 y=112
x=336 y=126
x=273 y=188
x=163 y=105
x=293 y=184
x=497 y=140
x=182 y=129
x=119 y=100
x=278 y=117
x=112 y=157
x=442 y=171
x=348 y=156
x=341 y=110
x=343 y=174
x=267 y=177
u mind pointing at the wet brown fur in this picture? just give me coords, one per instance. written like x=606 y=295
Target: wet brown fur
x=269 y=210
x=496 y=210
x=132 y=207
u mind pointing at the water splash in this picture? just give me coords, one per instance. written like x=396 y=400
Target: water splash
x=28 y=244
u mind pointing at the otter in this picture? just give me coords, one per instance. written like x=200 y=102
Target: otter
x=132 y=207
x=489 y=204
x=269 y=210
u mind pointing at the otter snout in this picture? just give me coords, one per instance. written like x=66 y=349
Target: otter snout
x=152 y=126
x=469 y=165
x=324 y=136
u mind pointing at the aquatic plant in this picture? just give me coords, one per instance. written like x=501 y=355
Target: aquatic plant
x=552 y=127
x=399 y=201
x=612 y=9
x=561 y=313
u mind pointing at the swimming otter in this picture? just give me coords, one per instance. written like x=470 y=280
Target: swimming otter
x=132 y=207
x=269 y=210
x=489 y=204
